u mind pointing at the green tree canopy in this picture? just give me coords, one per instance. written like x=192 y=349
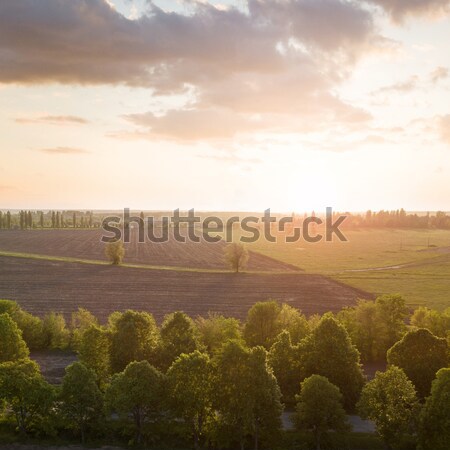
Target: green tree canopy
x=137 y=392
x=319 y=408
x=284 y=358
x=435 y=321
x=81 y=399
x=215 y=329
x=190 y=391
x=56 y=335
x=12 y=346
x=247 y=395
x=434 y=429
x=94 y=352
x=390 y=401
x=28 y=396
x=263 y=324
x=420 y=354
x=178 y=335
x=135 y=337
x=80 y=321
x=328 y=351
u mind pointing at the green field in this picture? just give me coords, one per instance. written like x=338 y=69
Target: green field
x=414 y=263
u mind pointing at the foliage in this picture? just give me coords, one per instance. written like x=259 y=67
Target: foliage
x=94 y=352
x=215 y=329
x=12 y=346
x=263 y=324
x=81 y=320
x=328 y=351
x=28 y=396
x=434 y=429
x=236 y=256
x=81 y=399
x=420 y=354
x=375 y=326
x=190 y=392
x=319 y=408
x=284 y=359
x=178 y=335
x=55 y=333
x=137 y=392
x=293 y=321
x=135 y=337
x=115 y=252
x=390 y=401
x=247 y=396
x=437 y=322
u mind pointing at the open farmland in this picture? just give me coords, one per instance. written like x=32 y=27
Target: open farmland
x=414 y=263
x=86 y=244
x=41 y=286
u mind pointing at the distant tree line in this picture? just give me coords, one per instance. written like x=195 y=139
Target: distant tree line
x=215 y=382
x=398 y=219
x=24 y=219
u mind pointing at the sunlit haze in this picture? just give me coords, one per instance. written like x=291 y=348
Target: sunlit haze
x=281 y=104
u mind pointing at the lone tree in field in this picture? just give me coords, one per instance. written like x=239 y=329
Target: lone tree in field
x=115 y=252
x=320 y=408
x=236 y=255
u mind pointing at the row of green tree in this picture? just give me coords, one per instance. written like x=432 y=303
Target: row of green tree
x=219 y=383
x=51 y=219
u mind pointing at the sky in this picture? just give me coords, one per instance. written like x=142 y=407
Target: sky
x=292 y=105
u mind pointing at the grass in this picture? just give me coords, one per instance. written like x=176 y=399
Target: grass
x=423 y=277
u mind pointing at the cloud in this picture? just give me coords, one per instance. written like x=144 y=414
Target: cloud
x=400 y=9
x=53 y=120
x=444 y=128
x=63 y=150
x=274 y=66
x=440 y=73
x=408 y=85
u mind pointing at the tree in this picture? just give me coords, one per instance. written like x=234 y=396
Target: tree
x=55 y=333
x=236 y=256
x=364 y=327
x=94 y=352
x=190 y=392
x=392 y=313
x=81 y=399
x=41 y=219
x=293 y=321
x=29 y=325
x=135 y=338
x=390 y=401
x=284 y=359
x=319 y=408
x=328 y=351
x=437 y=322
x=215 y=329
x=178 y=335
x=137 y=392
x=81 y=320
x=434 y=428
x=115 y=252
x=27 y=395
x=12 y=346
x=247 y=395
x=420 y=354
x=263 y=324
